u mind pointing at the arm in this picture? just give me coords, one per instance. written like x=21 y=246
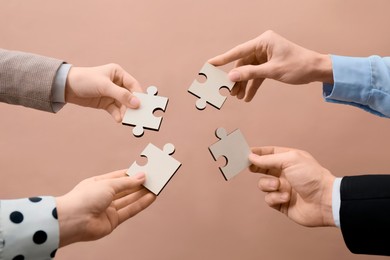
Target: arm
x=44 y=83
x=34 y=228
x=28 y=228
x=365 y=213
x=298 y=186
x=362 y=82
x=272 y=56
x=26 y=79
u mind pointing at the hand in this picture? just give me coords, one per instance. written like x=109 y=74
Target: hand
x=106 y=87
x=272 y=56
x=96 y=206
x=296 y=184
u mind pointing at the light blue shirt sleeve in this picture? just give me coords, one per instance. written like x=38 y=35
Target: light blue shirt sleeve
x=336 y=201
x=361 y=82
x=58 y=89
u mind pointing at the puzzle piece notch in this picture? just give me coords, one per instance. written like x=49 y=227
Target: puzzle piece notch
x=234 y=148
x=159 y=169
x=208 y=92
x=143 y=118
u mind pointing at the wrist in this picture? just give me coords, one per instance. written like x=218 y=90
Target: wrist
x=74 y=78
x=70 y=223
x=323 y=68
x=326 y=205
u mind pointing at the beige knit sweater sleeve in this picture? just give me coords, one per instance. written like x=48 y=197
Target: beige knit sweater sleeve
x=26 y=79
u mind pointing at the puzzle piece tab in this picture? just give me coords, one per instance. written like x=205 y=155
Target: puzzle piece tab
x=234 y=148
x=143 y=118
x=159 y=169
x=208 y=92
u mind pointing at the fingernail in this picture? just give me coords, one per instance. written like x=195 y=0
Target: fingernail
x=273 y=184
x=134 y=102
x=234 y=76
x=285 y=196
x=140 y=176
x=252 y=156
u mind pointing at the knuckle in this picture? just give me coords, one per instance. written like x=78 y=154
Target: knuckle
x=115 y=70
x=269 y=199
x=267 y=34
x=114 y=66
x=295 y=155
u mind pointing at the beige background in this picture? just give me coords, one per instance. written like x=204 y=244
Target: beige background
x=165 y=43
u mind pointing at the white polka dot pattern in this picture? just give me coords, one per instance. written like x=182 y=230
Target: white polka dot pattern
x=29 y=229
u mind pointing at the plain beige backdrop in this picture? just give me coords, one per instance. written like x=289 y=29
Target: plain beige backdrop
x=164 y=43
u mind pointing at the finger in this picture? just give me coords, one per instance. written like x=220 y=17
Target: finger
x=249 y=72
x=255 y=85
x=236 y=89
x=273 y=157
x=275 y=199
x=111 y=175
x=269 y=183
x=136 y=207
x=241 y=87
x=122 y=78
x=256 y=169
x=242 y=90
x=276 y=161
x=263 y=150
x=126 y=183
x=129 y=196
x=123 y=111
x=272 y=172
x=235 y=53
x=123 y=95
x=115 y=112
x=127 y=192
x=130 y=83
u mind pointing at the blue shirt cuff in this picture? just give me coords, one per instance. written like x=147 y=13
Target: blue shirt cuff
x=360 y=82
x=58 y=90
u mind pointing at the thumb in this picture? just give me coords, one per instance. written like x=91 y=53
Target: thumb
x=248 y=72
x=269 y=162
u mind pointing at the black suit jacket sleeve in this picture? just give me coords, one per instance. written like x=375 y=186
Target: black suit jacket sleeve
x=365 y=213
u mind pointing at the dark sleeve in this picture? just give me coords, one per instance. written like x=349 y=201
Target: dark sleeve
x=365 y=214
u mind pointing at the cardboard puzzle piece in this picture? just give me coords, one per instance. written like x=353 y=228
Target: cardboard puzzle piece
x=234 y=148
x=208 y=92
x=143 y=118
x=159 y=169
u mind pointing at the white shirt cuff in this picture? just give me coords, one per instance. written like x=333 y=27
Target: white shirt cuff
x=58 y=90
x=336 y=201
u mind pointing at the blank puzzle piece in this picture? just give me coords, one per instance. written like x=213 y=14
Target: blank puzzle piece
x=209 y=90
x=143 y=118
x=159 y=169
x=234 y=148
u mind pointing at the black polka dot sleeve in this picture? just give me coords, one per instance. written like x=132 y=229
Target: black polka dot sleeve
x=28 y=229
